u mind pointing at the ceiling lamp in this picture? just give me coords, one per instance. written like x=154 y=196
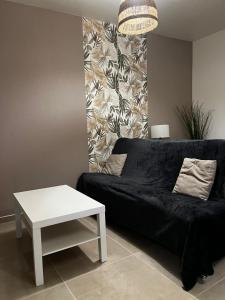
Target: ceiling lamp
x=137 y=16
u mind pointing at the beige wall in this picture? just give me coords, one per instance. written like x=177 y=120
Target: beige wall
x=169 y=80
x=209 y=79
x=42 y=106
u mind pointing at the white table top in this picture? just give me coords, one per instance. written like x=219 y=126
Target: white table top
x=49 y=206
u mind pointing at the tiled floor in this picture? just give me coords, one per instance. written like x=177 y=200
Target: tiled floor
x=136 y=269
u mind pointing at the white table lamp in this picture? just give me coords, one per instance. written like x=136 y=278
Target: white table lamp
x=160 y=131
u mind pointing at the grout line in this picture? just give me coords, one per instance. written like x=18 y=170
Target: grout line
x=94 y=227
x=211 y=286
x=154 y=268
x=195 y=296
x=40 y=292
x=90 y=292
x=63 y=281
x=120 y=244
x=103 y=264
x=116 y=241
x=97 y=270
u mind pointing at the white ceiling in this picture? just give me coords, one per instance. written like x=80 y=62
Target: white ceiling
x=182 y=19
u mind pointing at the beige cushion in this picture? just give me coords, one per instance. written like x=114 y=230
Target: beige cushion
x=114 y=164
x=196 y=178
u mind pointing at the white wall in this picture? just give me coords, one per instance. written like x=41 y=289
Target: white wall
x=209 y=79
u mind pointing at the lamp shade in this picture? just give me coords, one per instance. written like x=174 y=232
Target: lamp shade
x=160 y=131
x=137 y=16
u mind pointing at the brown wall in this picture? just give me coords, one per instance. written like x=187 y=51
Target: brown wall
x=169 y=80
x=43 y=138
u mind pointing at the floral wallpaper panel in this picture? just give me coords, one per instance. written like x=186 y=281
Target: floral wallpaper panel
x=115 y=86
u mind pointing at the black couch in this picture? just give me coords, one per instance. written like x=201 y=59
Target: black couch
x=142 y=200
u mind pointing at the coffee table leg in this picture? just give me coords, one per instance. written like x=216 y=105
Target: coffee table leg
x=38 y=262
x=19 y=231
x=102 y=233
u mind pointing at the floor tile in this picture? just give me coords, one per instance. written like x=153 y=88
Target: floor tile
x=10 y=245
x=83 y=259
x=217 y=292
x=155 y=255
x=73 y=262
x=59 y=292
x=126 y=280
x=17 y=277
x=164 y=261
x=219 y=267
x=201 y=287
x=169 y=265
x=136 y=268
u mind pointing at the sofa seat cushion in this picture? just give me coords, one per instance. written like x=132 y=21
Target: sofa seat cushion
x=126 y=197
x=147 y=192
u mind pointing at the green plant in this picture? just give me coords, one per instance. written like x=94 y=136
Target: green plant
x=196 y=120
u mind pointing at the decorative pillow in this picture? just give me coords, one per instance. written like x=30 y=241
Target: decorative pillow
x=196 y=178
x=114 y=164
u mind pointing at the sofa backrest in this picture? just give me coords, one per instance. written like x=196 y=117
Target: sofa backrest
x=159 y=161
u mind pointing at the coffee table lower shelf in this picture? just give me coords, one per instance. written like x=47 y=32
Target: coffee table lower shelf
x=65 y=235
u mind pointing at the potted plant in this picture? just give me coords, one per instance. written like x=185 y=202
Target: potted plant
x=196 y=120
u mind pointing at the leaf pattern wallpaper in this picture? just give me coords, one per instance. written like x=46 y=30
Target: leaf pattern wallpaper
x=115 y=87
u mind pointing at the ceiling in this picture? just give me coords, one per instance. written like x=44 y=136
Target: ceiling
x=181 y=19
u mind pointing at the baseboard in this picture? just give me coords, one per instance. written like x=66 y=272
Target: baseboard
x=7 y=218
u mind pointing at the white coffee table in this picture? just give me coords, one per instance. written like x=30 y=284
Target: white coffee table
x=50 y=215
